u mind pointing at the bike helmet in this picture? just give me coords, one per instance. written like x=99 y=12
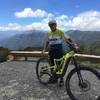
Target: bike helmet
x=52 y=22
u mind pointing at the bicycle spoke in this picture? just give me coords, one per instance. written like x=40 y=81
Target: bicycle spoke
x=92 y=89
x=43 y=70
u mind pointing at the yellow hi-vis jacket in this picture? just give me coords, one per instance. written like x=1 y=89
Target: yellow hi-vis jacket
x=55 y=37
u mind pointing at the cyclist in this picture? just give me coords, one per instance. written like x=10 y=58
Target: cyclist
x=54 y=43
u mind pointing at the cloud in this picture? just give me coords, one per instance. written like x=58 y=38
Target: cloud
x=89 y=20
x=28 y=12
x=86 y=21
x=19 y=27
x=11 y=26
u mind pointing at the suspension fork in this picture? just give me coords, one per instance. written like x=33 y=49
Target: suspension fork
x=77 y=67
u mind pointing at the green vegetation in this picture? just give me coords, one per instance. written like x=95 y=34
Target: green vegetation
x=33 y=49
x=3 y=54
x=91 y=49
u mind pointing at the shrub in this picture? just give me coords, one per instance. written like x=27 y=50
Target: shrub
x=3 y=54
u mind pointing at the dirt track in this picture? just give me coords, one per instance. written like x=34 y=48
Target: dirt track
x=18 y=81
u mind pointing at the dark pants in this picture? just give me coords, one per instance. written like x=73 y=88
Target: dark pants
x=55 y=51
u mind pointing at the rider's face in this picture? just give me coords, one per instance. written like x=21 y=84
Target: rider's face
x=53 y=27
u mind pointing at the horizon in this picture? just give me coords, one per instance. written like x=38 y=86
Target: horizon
x=22 y=31
x=29 y=39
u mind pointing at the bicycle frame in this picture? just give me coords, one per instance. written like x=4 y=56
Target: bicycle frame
x=64 y=61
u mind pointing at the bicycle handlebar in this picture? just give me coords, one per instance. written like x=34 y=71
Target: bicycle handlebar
x=74 y=48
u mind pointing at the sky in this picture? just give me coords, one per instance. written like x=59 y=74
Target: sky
x=23 y=15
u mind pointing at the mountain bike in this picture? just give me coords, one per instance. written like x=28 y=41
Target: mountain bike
x=82 y=82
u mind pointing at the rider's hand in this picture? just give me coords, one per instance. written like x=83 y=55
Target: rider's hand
x=73 y=46
x=76 y=46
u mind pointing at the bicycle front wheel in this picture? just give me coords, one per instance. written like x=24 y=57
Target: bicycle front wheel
x=43 y=71
x=89 y=90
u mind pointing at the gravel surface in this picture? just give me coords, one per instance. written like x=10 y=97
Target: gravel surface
x=18 y=81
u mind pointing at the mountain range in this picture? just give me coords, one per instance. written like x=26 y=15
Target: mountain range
x=36 y=38
x=22 y=40
x=8 y=34
x=87 y=37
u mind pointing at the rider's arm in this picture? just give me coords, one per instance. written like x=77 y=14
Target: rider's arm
x=46 y=43
x=69 y=41
x=45 y=46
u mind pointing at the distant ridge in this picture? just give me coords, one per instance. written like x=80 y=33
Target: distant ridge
x=35 y=38
x=25 y=39
x=87 y=37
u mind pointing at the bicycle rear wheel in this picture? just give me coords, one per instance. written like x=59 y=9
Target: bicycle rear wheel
x=43 y=71
x=90 y=90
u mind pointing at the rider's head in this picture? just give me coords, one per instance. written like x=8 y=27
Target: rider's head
x=52 y=24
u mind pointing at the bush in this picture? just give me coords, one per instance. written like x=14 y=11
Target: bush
x=33 y=49
x=3 y=54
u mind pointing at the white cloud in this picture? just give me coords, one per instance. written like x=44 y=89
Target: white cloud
x=89 y=20
x=63 y=21
x=28 y=12
x=19 y=27
x=86 y=21
x=10 y=26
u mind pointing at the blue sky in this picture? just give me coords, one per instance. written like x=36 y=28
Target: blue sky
x=35 y=14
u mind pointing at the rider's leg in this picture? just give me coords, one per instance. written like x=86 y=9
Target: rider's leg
x=61 y=82
x=53 y=78
x=59 y=55
x=55 y=52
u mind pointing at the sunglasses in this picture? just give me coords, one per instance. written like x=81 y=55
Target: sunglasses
x=52 y=25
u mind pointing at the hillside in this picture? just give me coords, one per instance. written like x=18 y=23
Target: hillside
x=85 y=36
x=88 y=41
x=26 y=39
x=7 y=34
